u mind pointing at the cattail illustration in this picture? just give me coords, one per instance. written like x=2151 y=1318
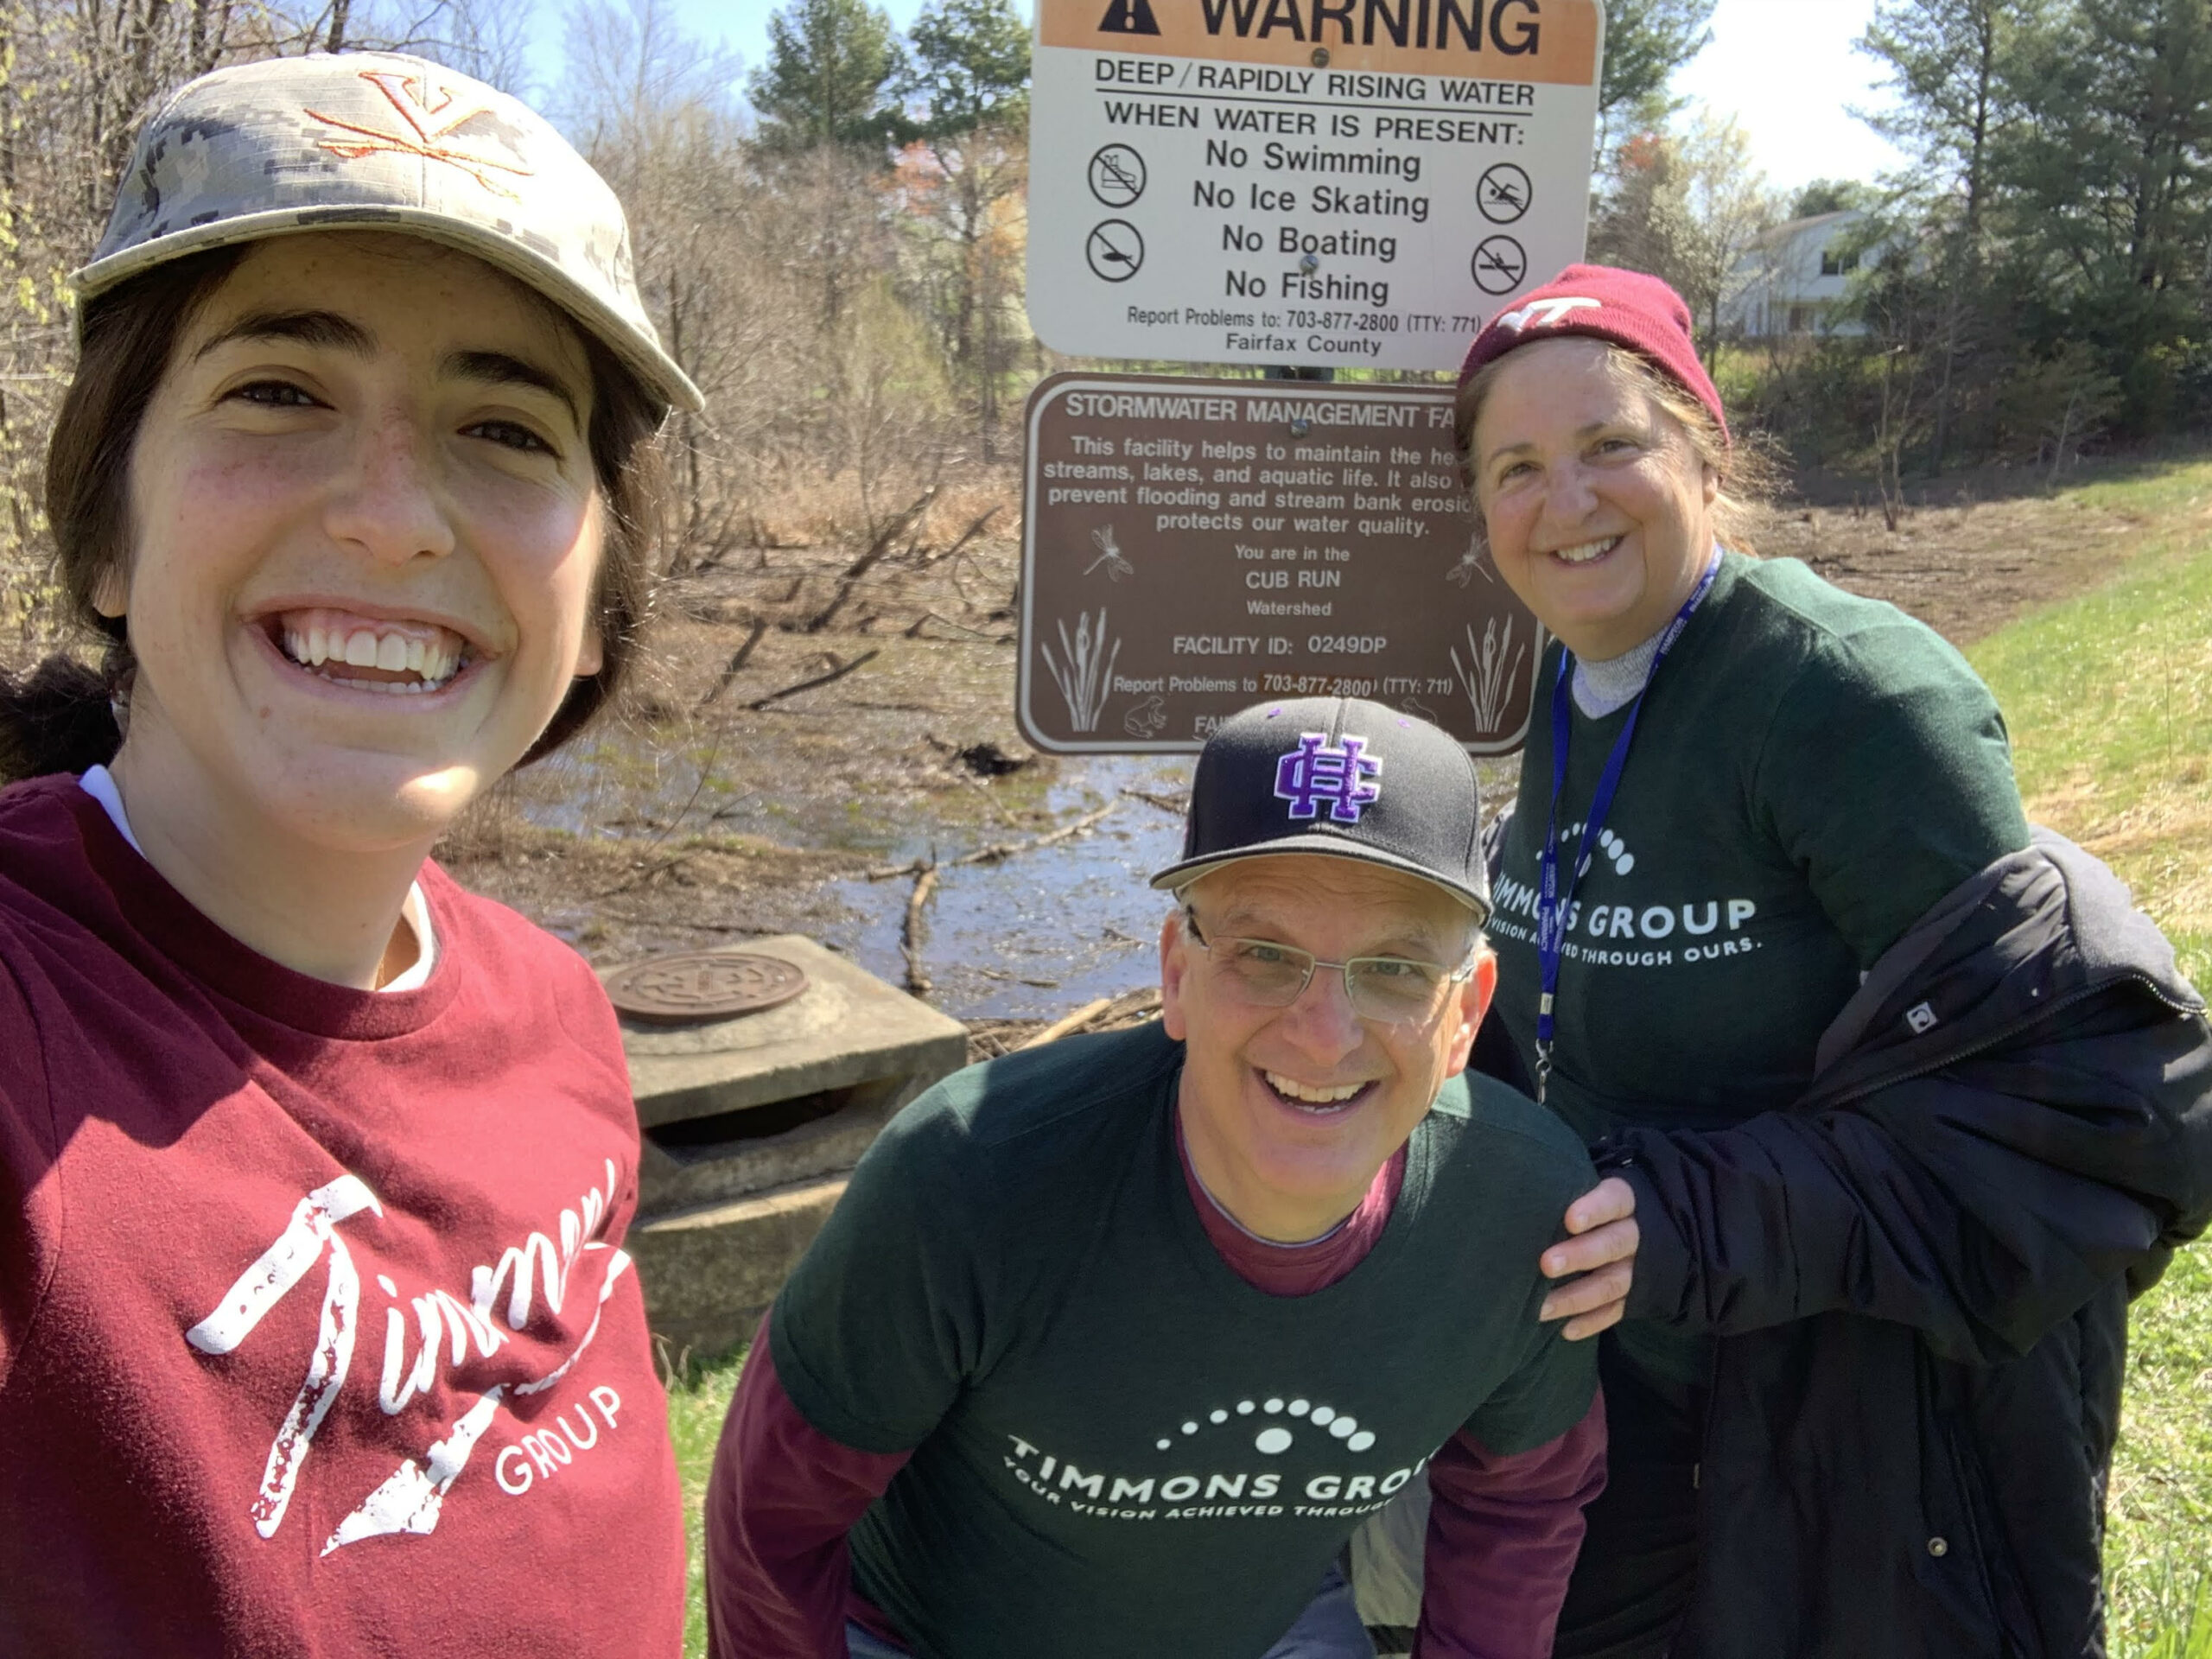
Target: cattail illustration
x=1489 y=671
x=1085 y=674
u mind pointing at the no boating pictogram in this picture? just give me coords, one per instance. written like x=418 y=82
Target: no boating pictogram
x=1500 y=264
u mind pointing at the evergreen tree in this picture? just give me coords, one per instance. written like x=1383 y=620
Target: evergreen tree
x=2109 y=194
x=1951 y=65
x=833 y=66
x=969 y=66
x=1830 y=196
x=1646 y=42
x=1955 y=70
x=969 y=84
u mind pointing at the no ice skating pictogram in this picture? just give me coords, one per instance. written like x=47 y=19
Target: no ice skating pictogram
x=1117 y=175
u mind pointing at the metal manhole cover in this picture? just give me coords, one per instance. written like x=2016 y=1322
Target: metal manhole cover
x=704 y=985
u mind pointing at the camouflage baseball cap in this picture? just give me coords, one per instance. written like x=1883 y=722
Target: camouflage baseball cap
x=377 y=140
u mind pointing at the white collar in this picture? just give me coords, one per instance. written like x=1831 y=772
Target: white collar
x=99 y=784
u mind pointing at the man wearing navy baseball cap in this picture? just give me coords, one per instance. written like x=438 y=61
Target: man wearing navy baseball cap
x=1110 y=1346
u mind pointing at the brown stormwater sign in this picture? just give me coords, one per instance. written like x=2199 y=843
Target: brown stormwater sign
x=1192 y=547
x=704 y=985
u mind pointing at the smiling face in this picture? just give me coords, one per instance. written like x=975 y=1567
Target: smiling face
x=1289 y=1112
x=364 y=525
x=1599 y=508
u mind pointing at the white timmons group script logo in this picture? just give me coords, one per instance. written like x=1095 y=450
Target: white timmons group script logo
x=536 y=1272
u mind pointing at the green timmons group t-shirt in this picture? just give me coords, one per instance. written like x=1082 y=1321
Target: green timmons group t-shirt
x=1120 y=1449
x=1811 y=772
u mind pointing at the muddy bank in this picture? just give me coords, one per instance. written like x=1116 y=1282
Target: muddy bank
x=705 y=816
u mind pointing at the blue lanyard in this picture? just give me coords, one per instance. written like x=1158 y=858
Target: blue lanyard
x=1552 y=906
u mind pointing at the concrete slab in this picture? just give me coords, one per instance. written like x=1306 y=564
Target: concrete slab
x=849 y=1027
x=727 y=1157
x=709 y=1273
x=749 y=1127
x=736 y=1106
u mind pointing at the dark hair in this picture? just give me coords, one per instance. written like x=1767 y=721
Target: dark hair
x=60 y=716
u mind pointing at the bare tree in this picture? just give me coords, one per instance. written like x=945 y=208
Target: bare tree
x=963 y=201
x=1729 y=207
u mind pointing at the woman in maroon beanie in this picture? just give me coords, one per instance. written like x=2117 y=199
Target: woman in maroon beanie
x=1910 y=1098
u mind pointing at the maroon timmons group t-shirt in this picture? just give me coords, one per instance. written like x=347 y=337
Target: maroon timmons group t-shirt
x=317 y=1333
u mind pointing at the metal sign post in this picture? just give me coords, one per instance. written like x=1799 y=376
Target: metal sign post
x=1192 y=547
x=1357 y=183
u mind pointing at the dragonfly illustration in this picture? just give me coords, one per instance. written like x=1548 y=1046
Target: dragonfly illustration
x=1470 y=564
x=1109 y=555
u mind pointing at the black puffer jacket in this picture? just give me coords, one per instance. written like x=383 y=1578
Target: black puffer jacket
x=1919 y=1276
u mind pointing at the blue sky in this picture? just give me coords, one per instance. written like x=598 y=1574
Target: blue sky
x=1784 y=68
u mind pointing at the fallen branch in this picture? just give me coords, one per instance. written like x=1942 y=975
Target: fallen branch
x=637 y=878
x=910 y=932
x=1107 y=1013
x=1177 y=804
x=738 y=658
x=995 y=854
x=837 y=673
x=914 y=629
x=1067 y=1023
x=1008 y=849
x=963 y=538
x=867 y=561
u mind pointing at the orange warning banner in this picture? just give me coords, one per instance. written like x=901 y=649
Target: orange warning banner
x=1553 y=42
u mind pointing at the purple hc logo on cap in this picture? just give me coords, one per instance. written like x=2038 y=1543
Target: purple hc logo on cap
x=1311 y=774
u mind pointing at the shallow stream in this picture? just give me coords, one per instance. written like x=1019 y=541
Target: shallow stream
x=1042 y=933
x=1029 y=936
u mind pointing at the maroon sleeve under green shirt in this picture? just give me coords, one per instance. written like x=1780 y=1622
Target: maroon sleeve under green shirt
x=1043 y=1397
x=317 y=1333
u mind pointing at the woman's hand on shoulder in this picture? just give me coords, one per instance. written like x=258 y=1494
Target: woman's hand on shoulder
x=1597 y=1264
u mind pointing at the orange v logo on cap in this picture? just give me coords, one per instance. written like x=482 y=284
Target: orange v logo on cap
x=411 y=95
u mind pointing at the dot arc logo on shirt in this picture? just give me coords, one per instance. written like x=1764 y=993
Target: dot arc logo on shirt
x=1263 y=1458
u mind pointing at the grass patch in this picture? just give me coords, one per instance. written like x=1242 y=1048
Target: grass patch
x=698 y=1397
x=2109 y=699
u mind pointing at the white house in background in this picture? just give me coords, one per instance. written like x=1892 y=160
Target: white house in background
x=1793 y=279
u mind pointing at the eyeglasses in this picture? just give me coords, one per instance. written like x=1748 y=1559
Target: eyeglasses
x=1391 y=990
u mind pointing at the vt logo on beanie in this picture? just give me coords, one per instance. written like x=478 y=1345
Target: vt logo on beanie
x=1545 y=313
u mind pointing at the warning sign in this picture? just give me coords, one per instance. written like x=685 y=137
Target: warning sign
x=1325 y=183
x=1192 y=547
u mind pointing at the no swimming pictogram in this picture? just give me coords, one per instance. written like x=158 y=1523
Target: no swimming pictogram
x=1503 y=194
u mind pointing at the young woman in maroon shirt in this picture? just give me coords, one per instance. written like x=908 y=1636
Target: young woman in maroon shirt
x=317 y=1333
